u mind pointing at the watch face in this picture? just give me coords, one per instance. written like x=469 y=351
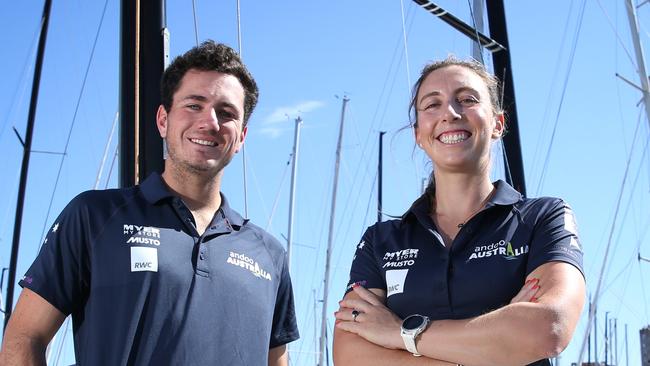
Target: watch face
x=413 y=322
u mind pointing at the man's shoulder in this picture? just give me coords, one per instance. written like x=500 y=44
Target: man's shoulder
x=265 y=237
x=100 y=198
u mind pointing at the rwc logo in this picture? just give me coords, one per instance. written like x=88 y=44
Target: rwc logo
x=144 y=259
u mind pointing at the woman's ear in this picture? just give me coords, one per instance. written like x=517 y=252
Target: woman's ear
x=499 y=126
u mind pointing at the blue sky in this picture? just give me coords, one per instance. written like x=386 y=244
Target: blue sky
x=305 y=56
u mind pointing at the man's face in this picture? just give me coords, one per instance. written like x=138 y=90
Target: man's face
x=203 y=128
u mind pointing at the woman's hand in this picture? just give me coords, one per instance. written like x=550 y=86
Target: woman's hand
x=528 y=292
x=374 y=322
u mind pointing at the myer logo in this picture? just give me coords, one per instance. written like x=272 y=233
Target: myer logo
x=500 y=248
x=142 y=234
x=243 y=261
x=144 y=231
x=400 y=258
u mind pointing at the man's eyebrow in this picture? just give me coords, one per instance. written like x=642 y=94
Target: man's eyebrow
x=196 y=97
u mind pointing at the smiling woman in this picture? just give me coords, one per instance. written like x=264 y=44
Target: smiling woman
x=472 y=273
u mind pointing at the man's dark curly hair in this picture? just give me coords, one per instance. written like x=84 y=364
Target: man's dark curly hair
x=209 y=56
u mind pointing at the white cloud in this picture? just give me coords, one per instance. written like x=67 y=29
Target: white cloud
x=271 y=132
x=284 y=114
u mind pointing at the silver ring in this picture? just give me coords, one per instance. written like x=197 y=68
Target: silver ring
x=355 y=314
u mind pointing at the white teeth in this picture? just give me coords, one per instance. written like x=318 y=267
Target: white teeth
x=203 y=142
x=453 y=138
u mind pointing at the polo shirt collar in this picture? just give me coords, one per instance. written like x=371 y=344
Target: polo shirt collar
x=155 y=190
x=233 y=217
x=503 y=196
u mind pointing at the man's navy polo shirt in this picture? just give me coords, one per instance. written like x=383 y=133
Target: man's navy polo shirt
x=486 y=265
x=144 y=288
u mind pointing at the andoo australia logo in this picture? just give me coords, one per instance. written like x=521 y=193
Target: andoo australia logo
x=142 y=234
x=243 y=261
x=500 y=248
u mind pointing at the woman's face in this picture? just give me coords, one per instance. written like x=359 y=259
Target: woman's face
x=456 y=122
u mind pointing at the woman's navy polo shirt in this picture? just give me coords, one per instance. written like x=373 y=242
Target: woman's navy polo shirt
x=144 y=288
x=486 y=265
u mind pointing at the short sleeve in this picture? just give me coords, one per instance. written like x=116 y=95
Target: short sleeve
x=284 y=328
x=365 y=269
x=59 y=272
x=555 y=238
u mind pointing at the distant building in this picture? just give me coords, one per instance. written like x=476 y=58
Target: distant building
x=645 y=346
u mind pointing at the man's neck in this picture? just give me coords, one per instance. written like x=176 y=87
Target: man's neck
x=200 y=193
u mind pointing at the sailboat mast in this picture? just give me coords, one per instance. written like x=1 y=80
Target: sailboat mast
x=634 y=30
x=640 y=58
x=144 y=53
x=292 y=190
x=477 y=15
x=380 y=176
x=27 y=148
x=330 y=239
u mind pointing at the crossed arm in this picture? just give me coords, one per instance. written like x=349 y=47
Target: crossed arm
x=35 y=321
x=516 y=334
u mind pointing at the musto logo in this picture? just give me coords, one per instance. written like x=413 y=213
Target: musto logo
x=500 y=248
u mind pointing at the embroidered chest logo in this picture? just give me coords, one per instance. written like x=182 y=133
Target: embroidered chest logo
x=400 y=258
x=148 y=235
x=501 y=248
x=241 y=260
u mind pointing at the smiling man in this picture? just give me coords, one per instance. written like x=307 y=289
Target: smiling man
x=166 y=273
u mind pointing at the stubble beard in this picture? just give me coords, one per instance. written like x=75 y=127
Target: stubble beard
x=185 y=168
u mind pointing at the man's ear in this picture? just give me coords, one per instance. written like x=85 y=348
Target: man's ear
x=499 y=126
x=161 y=121
x=244 y=131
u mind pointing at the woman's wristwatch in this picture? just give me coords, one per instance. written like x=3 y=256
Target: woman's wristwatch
x=412 y=326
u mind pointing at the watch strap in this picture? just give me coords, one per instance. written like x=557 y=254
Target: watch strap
x=409 y=343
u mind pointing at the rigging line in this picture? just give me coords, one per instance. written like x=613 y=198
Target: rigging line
x=62 y=340
x=618 y=36
x=609 y=243
x=478 y=38
x=547 y=110
x=406 y=50
x=354 y=184
x=110 y=171
x=196 y=23
x=27 y=66
x=645 y=298
x=243 y=148
x=108 y=144
x=632 y=197
x=390 y=68
x=540 y=185
x=239 y=30
x=277 y=196
x=321 y=219
x=74 y=118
